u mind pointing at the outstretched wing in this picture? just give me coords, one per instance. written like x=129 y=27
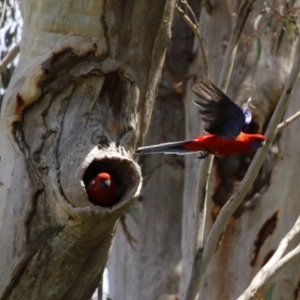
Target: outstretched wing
x=220 y=115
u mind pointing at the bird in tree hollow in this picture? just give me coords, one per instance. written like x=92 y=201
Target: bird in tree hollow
x=223 y=121
x=101 y=190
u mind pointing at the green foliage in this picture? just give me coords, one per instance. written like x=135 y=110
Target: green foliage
x=282 y=22
x=269 y=291
x=6 y=75
x=132 y=211
x=257 y=44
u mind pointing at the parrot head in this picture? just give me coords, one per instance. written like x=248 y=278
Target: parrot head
x=101 y=190
x=101 y=181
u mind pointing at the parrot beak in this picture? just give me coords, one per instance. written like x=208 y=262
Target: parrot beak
x=107 y=182
x=103 y=184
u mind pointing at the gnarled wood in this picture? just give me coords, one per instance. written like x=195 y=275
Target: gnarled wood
x=79 y=101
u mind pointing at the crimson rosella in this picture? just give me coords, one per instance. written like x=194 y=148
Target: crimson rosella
x=101 y=190
x=223 y=121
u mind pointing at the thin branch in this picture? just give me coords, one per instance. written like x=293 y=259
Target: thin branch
x=10 y=56
x=265 y=275
x=274 y=265
x=233 y=203
x=130 y=238
x=204 y=174
x=285 y=242
x=200 y=263
x=288 y=121
x=191 y=12
x=242 y=17
x=194 y=27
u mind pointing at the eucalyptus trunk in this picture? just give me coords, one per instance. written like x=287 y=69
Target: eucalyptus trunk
x=261 y=68
x=78 y=103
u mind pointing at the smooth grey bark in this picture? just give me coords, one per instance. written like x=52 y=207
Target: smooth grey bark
x=251 y=235
x=269 y=210
x=153 y=270
x=79 y=102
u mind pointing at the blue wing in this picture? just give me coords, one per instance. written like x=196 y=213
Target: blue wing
x=220 y=115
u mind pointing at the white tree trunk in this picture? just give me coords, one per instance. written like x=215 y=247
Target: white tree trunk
x=78 y=103
x=152 y=271
x=255 y=231
x=270 y=208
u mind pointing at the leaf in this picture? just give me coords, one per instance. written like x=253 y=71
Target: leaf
x=269 y=291
x=257 y=46
x=291 y=29
x=6 y=75
x=132 y=211
x=280 y=37
x=256 y=21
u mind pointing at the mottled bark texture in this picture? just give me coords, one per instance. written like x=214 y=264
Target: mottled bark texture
x=261 y=221
x=79 y=102
x=153 y=270
x=270 y=208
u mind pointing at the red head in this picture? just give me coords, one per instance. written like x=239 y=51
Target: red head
x=101 y=190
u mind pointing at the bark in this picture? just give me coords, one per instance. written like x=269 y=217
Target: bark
x=152 y=271
x=79 y=102
x=268 y=211
x=255 y=229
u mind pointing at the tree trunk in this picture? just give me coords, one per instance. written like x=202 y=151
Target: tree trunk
x=259 y=224
x=264 y=217
x=153 y=270
x=78 y=103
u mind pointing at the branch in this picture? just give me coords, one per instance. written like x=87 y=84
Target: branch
x=275 y=264
x=285 y=242
x=242 y=17
x=10 y=56
x=265 y=275
x=288 y=121
x=200 y=263
x=194 y=27
x=230 y=206
x=191 y=11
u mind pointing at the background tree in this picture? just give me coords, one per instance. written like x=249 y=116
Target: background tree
x=44 y=234
x=261 y=69
x=77 y=104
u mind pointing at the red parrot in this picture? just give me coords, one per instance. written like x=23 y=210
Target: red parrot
x=101 y=190
x=223 y=121
x=208 y=144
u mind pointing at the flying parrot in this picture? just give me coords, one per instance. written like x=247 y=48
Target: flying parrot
x=223 y=121
x=102 y=190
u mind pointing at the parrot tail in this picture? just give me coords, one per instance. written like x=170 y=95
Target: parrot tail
x=167 y=148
